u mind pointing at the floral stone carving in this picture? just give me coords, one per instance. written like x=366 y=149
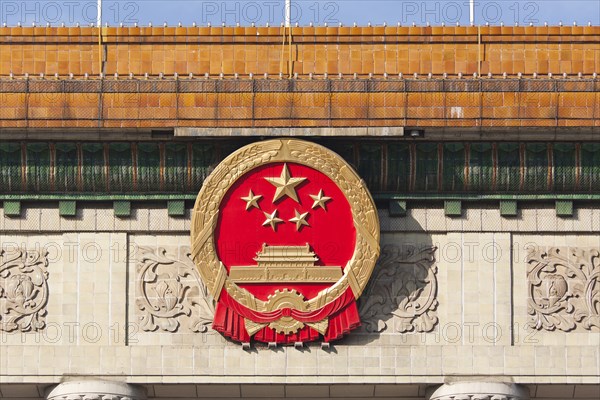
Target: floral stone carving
x=23 y=290
x=404 y=285
x=564 y=288
x=170 y=292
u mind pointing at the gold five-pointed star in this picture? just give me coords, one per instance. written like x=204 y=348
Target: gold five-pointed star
x=285 y=185
x=251 y=200
x=299 y=219
x=319 y=200
x=271 y=219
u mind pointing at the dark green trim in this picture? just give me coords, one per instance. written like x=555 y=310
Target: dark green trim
x=12 y=208
x=98 y=197
x=176 y=208
x=564 y=208
x=122 y=208
x=479 y=197
x=453 y=208
x=508 y=208
x=387 y=166
x=67 y=208
x=377 y=196
x=397 y=208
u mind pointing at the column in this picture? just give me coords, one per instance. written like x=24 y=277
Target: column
x=479 y=391
x=95 y=390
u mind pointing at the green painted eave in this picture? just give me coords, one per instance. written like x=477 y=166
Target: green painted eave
x=98 y=197
x=479 y=197
x=376 y=196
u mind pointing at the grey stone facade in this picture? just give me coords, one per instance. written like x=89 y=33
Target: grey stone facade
x=467 y=297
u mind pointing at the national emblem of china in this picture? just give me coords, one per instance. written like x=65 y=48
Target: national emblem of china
x=285 y=236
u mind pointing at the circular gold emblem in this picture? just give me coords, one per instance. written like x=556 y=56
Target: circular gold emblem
x=292 y=162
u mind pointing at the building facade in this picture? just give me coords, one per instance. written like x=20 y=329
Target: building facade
x=479 y=146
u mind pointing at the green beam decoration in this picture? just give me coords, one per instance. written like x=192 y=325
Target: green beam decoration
x=122 y=208
x=465 y=197
x=453 y=208
x=98 y=197
x=564 y=208
x=67 y=208
x=12 y=208
x=508 y=208
x=388 y=166
x=176 y=208
x=397 y=208
x=395 y=171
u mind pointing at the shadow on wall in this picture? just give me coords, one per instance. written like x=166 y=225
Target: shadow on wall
x=400 y=299
x=401 y=296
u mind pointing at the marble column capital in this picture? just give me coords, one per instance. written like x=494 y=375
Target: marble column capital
x=95 y=389
x=479 y=391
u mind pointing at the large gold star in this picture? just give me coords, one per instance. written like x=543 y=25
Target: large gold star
x=319 y=200
x=272 y=220
x=286 y=185
x=299 y=219
x=251 y=200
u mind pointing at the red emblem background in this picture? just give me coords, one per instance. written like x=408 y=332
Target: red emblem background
x=240 y=234
x=252 y=212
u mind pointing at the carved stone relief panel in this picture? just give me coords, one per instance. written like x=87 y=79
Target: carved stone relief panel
x=404 y=285
x=564 y=288
x=170 y=293
x=23 y=290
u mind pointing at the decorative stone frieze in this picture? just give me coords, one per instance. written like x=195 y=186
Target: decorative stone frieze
x=95 y=390
x=23 y=290
x=564 y=288
x=479 y=391
x=404 y=285
x=170 y=293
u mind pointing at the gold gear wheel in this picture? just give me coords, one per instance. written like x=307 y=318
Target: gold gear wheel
x=286 y=298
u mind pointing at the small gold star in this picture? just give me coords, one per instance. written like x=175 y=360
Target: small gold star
x=299 y=219
x=251 y=200
x=286 y=185
x=320 y=200
x=272 y=220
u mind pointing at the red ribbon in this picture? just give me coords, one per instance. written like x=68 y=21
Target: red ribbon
x=342 y=314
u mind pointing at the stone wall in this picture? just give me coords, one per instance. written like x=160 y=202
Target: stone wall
x=464 y=297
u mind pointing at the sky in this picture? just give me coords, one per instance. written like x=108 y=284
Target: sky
x=319 y=12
